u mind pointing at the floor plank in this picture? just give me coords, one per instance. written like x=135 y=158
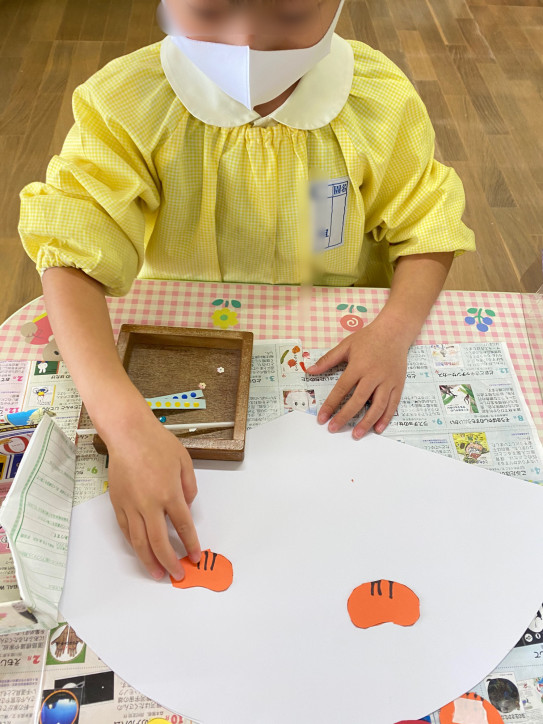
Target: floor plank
x=478 y=65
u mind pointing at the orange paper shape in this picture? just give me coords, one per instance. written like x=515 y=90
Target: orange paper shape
x=372 y=604
x=212 y=571
x=447 y=713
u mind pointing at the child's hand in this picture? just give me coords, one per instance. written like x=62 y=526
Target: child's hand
x=151 y=477
x=376 y=367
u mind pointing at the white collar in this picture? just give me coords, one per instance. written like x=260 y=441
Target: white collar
x=317 y=99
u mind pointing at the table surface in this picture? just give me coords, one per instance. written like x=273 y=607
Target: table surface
x=315 y=316
x=320 y=317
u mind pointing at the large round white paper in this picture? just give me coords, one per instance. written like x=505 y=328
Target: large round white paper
x=305 y=519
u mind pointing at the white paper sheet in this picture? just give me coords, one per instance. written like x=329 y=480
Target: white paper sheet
x=306 y=518
x=36 y=518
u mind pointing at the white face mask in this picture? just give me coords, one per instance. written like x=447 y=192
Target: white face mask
x=249 y=76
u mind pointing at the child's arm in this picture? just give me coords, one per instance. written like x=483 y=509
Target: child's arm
x=377 y=354
x=150 y=472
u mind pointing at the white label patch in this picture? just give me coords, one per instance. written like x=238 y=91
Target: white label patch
x=329 y=205
x=469 y=711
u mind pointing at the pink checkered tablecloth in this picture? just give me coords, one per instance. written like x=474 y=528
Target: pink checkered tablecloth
x=314 y=315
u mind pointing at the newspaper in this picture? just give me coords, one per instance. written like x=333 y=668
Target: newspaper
x=36 y=664
x=515 y=687
x=516 y=700
x=29 y=385
x=22 y=661
x=12 y=380
x=93 y=689
x=459 y=400
x=36 y=515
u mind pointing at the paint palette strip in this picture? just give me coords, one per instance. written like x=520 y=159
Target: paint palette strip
x=192 y=399
x=179 y=405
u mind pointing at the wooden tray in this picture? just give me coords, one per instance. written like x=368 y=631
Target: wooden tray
x=165 y=360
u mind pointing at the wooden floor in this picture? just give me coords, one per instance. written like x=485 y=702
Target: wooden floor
x=476 y=63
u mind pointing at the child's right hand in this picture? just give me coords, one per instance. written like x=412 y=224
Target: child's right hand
x=151 y=474
x=151 y=477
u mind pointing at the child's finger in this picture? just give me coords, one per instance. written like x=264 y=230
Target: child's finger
x=352 y=406
x=157 y=533
x=140 y=543
x=188 y=479
x=341 y=389
x=392 y=406
x=378 y=406
x=332 y=358
x=122 y=520
x=181 y=518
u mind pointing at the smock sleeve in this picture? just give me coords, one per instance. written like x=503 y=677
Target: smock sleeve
x=413 y=202
x=99 y=194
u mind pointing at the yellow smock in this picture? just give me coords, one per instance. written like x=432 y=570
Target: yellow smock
x=164 y=176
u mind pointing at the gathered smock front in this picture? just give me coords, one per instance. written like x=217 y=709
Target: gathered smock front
x=164 y=176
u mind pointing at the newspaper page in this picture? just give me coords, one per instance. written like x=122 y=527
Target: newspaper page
x=48 y=384
x=278 y=381
x=36 y=515
x=515 y=687
x=22 y=659
x=459 y=400
x=34 y=384
x=13 y=376
x=76 y=679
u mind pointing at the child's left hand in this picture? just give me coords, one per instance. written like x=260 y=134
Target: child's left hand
x=376 y=366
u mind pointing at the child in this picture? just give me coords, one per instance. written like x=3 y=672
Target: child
x=188 y=160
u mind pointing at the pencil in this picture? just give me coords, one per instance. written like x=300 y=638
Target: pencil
x=187 y=427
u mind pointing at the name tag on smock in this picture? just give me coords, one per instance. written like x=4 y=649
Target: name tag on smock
x=329 y=212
